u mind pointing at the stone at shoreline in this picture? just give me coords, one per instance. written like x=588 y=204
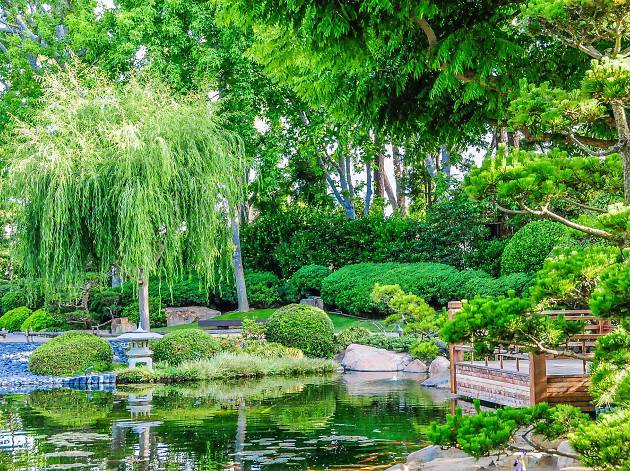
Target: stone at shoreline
x=416 y=366
x=436 y=459
x=365 y=358
x=439 y=366
x=189 y=314
x=440 y=381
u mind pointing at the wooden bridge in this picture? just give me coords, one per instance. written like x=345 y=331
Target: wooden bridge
x=518 y=379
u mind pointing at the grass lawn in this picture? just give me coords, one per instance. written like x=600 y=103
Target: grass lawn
x=340 y=322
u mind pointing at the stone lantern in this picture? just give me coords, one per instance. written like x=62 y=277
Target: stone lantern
x=139 y=352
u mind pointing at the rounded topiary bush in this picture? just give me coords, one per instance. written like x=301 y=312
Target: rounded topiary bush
x=12 y=320
x=305 y=327
x=531 y=245
x=307 y=281
x=41 y=320
x=71 y=353
x=184 y=345
x=11 y=300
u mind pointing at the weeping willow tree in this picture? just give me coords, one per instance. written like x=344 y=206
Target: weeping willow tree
x=125 y=175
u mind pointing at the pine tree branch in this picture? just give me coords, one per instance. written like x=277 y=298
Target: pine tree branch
x=602 y=153
x=573 y=225
x=584 y=206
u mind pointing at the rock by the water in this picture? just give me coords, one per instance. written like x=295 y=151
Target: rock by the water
x=428 y=453
x=439 y=366
x=416 y=366
x=189 y=314
x=364 y=358
x=439 y=381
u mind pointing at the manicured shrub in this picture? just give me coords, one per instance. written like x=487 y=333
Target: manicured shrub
x=530 y=246
x=157 y=314
x=184 y=345
x=426 y=350
x=41 y=320
x=350 y=335
x=263 y=289
x=12 y=320
x=250 y=329
x=13 y=299
x=350 y=287
x=304 y=327
x=71 y=353
x=396 y=344
x=264 y=349
x=307 y=281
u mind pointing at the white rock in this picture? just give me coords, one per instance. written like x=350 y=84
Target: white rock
x=416 y=366
x=364 y=358
x=188 y=314
x=428 y=453
x=439 y=366
x=564 y=462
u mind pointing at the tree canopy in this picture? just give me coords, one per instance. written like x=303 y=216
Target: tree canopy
x=126 y=175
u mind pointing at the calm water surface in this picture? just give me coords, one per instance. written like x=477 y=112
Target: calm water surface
x=357 y=421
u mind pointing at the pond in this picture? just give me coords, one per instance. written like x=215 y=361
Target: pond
x=353 y=421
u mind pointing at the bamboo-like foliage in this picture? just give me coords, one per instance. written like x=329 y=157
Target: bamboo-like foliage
x=127 y=175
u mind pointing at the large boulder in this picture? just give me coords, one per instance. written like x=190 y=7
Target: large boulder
x=416 y=366
x=189 y=314
x=439 y=367
x=365 y=358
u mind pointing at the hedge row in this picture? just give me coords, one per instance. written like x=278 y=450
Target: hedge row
x=349 y=288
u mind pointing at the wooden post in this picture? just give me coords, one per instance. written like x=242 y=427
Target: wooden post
x=537 y=378
x=455 y=356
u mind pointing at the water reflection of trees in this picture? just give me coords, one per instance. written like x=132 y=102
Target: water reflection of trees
x=211 y=425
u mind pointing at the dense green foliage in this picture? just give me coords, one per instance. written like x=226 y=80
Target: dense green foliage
x=263 y=289
x=528 y=248
x=482 y=433
x=350 y=287
x=120 y=194
x=12 y=320
x=71 y=353
x=304 y=327
x=307 y=281
x=12 y=299
x=180 y=346
x=41 y=320
x=453 y=232
x=350 y=335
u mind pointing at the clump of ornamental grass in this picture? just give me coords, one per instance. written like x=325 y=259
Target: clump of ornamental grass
x=228 y=366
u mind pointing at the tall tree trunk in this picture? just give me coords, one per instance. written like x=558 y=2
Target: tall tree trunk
x=621 y=122
x=399 y=174
x=237 y=259
x=143 y=300
x=445 y=161
x=379 y=187
x=391 y=197
x=368 y=189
